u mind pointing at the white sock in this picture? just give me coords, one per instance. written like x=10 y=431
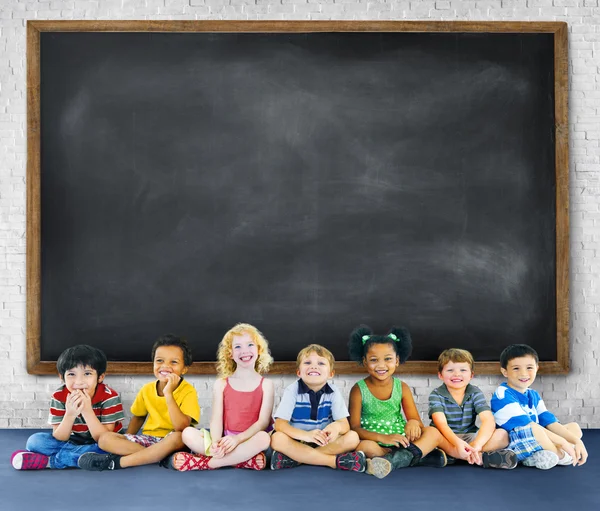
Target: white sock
x=567 y=459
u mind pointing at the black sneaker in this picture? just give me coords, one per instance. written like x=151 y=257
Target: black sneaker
x=356 y=461
x=280 y=460
x=502 y=458
x=436 y=458
x=97 y=462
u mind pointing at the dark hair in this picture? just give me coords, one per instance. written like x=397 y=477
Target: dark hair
x=516 y=351
x=81 y=355
x=362 y=337
x=174 y=340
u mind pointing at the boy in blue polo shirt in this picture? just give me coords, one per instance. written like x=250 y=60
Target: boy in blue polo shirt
x=453 y=409
x=536 y=436
x=311 y=422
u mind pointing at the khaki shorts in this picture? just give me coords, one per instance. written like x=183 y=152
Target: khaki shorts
x=467 y=437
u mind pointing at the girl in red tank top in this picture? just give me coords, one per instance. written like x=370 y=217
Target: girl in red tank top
x=242 y=408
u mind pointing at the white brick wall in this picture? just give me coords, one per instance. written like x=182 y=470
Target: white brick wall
x=24 y=398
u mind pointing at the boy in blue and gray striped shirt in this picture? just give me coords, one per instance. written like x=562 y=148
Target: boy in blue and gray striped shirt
x=454 y=407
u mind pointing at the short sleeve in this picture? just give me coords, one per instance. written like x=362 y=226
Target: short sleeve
x=436 y=404
x=287 y=404
x=545 y=417
x=112 y=409
x=189 y=405
x=339 y=410
x=479 y=402
x=57 y=410
x=138 y=408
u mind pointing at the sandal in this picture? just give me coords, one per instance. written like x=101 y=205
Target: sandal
x=252 y=463
x=190 y=462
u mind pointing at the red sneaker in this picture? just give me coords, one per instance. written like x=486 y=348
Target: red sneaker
x=26 y=460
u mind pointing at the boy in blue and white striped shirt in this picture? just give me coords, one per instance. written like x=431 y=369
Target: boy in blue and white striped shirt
x=311 y=422
x=536 y=436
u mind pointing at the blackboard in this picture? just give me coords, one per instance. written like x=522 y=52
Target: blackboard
x=302 y=182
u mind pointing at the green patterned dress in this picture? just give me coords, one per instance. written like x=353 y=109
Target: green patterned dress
x=383 y=417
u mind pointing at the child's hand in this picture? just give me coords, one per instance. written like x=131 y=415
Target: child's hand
x=412 y=430
x=463 y=449
x=216 y=451
x=581 y=454
x=74 y=404
x=570 y=449
x=87 y=401
x=394 y=439
x=332 y=431
x=316 y=436
x=475 y=456
x=172 y=382
x=229 y=443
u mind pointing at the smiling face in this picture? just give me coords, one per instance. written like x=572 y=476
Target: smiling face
x=381 y=360
x=456 y=375
x=244 y=351
x=314 y=371
x=520 y=372
x=82 y=378
x=167 y=360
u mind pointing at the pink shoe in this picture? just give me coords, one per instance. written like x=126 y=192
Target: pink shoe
x=26 y=460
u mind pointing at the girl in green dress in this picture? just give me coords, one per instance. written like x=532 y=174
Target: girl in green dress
x=388 y=439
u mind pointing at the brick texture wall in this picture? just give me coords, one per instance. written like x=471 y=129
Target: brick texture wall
x=24 y=398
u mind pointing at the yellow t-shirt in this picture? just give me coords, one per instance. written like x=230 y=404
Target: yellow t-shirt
x=149 y=403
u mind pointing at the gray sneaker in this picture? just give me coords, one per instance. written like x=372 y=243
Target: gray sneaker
x=502 y=458
x=378 y=467
x=542 y=460
x=382 y=466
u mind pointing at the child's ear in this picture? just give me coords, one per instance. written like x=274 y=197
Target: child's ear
x=184 y=370
x=331 y=374
x=504 y=372
x=440 y=376
x=101 y=377
x=298 y=373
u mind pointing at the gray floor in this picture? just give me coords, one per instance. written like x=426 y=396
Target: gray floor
x=460 y=488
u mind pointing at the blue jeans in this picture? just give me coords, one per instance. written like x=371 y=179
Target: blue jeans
x=61 y=454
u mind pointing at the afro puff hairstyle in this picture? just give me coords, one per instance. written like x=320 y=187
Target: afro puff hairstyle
x=362 y=337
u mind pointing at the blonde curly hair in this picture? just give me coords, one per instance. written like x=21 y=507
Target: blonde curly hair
x=225 y=364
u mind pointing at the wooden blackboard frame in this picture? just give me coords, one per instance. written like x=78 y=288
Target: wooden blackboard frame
x=34 y=28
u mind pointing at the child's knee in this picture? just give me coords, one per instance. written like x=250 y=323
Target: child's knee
x=351 y=439
x=174 y=438
x=432 y=433
x=38 y=441
x=574 y=428
x=263 y=439
x=190 y=435
x=105 y=439
x=279 y=440
x=501 y=435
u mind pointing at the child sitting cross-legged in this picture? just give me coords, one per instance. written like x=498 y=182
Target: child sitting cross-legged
x=81 y=410
x=311 y=422
x=454 y=407
x=164 y=407
x=241 y=408
x=536 y=436
x=376 y=403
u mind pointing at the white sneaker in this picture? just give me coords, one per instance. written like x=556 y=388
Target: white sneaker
x=567 y=459
x=542 y=460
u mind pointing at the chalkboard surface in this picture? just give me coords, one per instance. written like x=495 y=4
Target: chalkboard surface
x=304 y=183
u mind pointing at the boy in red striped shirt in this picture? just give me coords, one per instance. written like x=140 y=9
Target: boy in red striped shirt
x=81 y=409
